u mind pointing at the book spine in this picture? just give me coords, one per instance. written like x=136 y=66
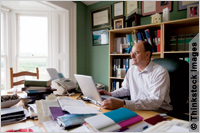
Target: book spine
x=147 y=32
x=139 y=37
x=37 y=83
x=158 y=40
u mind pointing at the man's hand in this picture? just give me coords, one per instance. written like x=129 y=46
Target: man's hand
x=104 y=92
x=112 y=103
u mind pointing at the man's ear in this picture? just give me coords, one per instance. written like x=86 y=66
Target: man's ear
x=148 y=53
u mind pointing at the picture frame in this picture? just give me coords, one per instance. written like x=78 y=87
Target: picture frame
x=192 y=10
x=101 y=18
x=131 y=8
x=182 y=5
x=100 y=37
x=152 y=7
x=118 y=9
x=118 y=23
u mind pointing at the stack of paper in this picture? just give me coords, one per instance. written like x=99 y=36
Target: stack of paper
x=170 y=126
x=12 y=115
x=113 y=120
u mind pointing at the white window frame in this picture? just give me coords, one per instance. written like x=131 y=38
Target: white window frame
x=69 y=67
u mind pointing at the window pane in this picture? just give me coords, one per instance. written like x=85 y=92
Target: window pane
x=3 y=75
x=33 y=36
x=30 y=64
x=2 y=34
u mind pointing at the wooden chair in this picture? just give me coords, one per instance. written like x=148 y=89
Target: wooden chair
x=19 y=74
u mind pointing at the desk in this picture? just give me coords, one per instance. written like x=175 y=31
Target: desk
x=30 y=122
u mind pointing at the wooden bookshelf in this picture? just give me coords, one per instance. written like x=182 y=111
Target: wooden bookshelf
x=177 y=27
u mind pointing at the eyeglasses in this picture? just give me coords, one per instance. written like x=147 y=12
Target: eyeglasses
x=135 y=53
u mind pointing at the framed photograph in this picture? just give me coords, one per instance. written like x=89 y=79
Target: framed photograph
x=193 y=10
x=131 y=8
x=118 y=9
x=101 y=18
x=118 y=23
x=182 y=5
x=152 y=7
x=100 y=37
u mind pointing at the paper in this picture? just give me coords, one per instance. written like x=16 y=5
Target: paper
x=80 y=110
x=80 y=129
x=52 y=126
x=176 y=129
x=25 y=124
x=48 y=103
x=70 y=102
x=41 y=116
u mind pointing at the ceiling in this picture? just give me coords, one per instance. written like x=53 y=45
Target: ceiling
x=89 y=2
x=33 y=5
x=25 y=5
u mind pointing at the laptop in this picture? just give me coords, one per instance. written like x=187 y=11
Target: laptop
x=90 y=90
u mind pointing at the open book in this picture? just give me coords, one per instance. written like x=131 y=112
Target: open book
x=113 y=120
x=75 y=106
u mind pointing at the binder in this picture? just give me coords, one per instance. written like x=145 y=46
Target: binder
x=127 y=64
x=159 y=40
x=147 y=32
x=139 y=37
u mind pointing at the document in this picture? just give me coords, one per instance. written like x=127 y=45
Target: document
x=48 y=103
x=81 y=110
x=52 y=126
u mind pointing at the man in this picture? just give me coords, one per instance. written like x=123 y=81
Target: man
x=146 y=83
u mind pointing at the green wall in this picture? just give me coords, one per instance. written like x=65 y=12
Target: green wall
x=93 y=60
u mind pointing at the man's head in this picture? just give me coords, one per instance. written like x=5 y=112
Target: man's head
x=141 y=53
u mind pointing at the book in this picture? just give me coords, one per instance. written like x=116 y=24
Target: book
x=71 y=121
x=181 y=43
x=56 y=112
x=154 y=120
x=30 y=88
x=39 y=83
x=139 y=37
x=113 y=120
x=173 y=43
x=158 y=42
x=149 y=39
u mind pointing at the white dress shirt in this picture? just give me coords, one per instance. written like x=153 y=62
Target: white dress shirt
x=148 y=89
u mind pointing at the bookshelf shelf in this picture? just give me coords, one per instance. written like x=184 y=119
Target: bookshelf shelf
x=167 y=29
x=116 y=78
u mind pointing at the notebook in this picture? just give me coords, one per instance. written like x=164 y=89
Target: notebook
x=90 y=90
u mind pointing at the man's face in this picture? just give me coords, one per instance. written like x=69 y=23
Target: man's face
x=139 y=55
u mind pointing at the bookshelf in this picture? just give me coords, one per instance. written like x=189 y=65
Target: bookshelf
x=170 y=28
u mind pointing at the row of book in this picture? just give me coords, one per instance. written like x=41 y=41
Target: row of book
x=121 y=66
x=125 y=44
x=116 y=84
x=179 y=42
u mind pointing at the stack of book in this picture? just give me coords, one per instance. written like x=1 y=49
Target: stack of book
x=12 y=115
x=37 y=89
x=115 y=120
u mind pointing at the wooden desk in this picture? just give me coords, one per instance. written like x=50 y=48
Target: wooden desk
x=30 y=122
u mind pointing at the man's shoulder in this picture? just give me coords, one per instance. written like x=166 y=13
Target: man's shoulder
x=158 y=67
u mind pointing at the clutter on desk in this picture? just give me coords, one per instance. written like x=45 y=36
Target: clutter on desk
x=72 y=120
x=52 y=126
x=37 y=89
x=13 y=115
x=115 y=120
x=170 y=126
x=32 y=109
x=9 y=100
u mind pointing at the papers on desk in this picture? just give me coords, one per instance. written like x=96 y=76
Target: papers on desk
x=170 y=126
x=13 y=115
x=52 y=126
x=76 y=106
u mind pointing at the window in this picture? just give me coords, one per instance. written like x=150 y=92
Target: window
x=3 y=52
x=32 y=43
x=38 y=38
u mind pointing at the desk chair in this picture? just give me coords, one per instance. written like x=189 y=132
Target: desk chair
x=19 y=74
x=179 y=85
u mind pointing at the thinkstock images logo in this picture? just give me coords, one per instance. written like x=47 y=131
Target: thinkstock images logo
x=194 y=84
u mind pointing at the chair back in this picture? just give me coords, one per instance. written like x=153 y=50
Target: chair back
x=19 y=74
x=179 y=85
